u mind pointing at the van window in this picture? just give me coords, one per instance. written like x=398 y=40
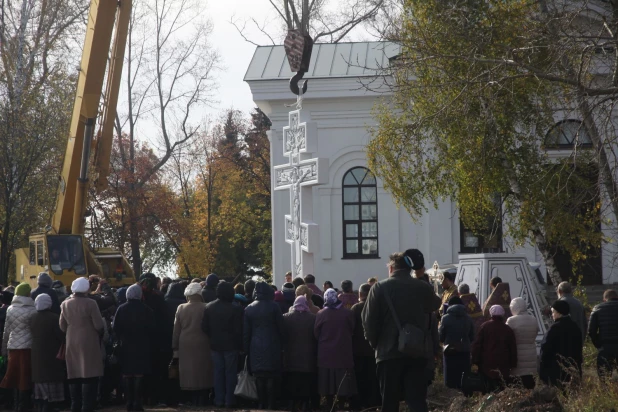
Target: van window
x=32 y=253
x=40 y=253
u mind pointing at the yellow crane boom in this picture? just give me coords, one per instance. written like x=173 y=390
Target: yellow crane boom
x=62 y=250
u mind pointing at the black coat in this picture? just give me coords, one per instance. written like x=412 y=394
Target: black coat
x=264 y=332
x=603 y=327
x=52 y=294
x=302 y=346
x=134 y=326
x=175 y=297
x=563 y=346
x=412 y=299
x=360 y=345
x=209 y=294
x=154 y=300
x=222 y=323
x=47 y=337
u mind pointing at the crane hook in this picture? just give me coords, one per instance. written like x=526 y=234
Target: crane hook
x=294 y=83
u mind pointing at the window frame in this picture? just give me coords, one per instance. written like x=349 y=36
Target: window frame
x=567 y=146
x=359 y=222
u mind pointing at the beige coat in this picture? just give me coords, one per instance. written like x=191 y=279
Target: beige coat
x=192 y=346
x=81 y=320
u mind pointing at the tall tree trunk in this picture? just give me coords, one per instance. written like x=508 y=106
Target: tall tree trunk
x=5 y=252
x=136 y=256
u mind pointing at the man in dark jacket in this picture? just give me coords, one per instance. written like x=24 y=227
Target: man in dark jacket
x=562 y=350
x=222 y=322
x=576 y=309
x=209 y=293
x=364 y=358
x=249 y=288
x=45 y=286
x=604 y=332
x=412 y=299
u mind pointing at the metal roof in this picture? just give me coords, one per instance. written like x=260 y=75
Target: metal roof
x=327 y=60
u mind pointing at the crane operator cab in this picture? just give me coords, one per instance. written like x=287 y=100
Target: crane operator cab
x=67 y=257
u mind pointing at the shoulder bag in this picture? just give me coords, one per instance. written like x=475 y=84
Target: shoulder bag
x=411 y=338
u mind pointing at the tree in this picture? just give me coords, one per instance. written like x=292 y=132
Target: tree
x=169 y=78
x=473 y=99
x=36 y=94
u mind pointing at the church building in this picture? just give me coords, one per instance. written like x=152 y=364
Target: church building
x=331 y=216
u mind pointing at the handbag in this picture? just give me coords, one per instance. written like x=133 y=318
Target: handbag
x=112 y=358
x=173 y=371
x=246 y=387
x=411 y=340
x=62 y=352
x=453 y=348
x=472 y=382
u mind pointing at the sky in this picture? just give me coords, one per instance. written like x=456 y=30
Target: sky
x=236 y=53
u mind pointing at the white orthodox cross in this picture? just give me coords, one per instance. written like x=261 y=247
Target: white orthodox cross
x=299 y=141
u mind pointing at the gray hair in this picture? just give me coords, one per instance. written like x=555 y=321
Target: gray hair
x=565 y=288
x=463 y=289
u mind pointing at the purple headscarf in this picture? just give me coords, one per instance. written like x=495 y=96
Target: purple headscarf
x=300 y=304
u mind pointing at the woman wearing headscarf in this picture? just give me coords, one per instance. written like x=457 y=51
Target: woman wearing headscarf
x=17 y=343
x=456 y=333
x=134 y=326
x=83 y=324
x=300 y=357
x=526 y=329
x=192 y=346
x=334 y=327
x=494 y=351
x=264 y=337
x=305 y=291
x=47 y=338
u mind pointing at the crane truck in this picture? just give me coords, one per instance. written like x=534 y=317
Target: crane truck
x=62 y=250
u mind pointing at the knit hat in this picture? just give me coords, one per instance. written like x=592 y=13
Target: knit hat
x=518 y=305
x=562 y=307
x=23 y=289
x=212 y=280
x=134 y=292
x=414 y=258
x=44 y=280
x=80 y=285
x=225 y=291
x=496 y=310
x=288 y=286
x=193 y=289
x=43 y=302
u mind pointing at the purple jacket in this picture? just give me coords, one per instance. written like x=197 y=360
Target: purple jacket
x=316 y=290
x=348 y=299
x=333 y=330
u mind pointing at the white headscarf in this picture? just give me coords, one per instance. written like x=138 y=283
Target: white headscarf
x=43 y=302
x=518 y=306
x=134 y=292
x=80 y=285
x=193 y=289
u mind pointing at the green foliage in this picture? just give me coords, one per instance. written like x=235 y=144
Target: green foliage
x=465 y=125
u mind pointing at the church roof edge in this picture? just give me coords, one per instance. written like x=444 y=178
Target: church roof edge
x=328 y=60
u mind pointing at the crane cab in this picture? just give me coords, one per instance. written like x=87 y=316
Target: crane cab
x=66 y=258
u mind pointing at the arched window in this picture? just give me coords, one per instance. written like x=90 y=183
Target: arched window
x=360 y=214
x=567 y=134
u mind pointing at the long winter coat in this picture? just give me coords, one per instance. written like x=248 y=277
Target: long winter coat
x=525 y=328
x=333 y=330
x=302 y=345
x=134 y=326
x=46 y=341
x=494 y=350
x=577 y=313
x=83 y=324
x=264 y=332
x=563 y=346
x=173 y=298
x=17 y=333
x=193 y=346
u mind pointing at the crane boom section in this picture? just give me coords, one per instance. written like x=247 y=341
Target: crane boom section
x=101 y=16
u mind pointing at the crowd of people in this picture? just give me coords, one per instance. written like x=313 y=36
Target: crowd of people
x=163 y=341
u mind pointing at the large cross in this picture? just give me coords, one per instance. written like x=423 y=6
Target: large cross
x=302 y=172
